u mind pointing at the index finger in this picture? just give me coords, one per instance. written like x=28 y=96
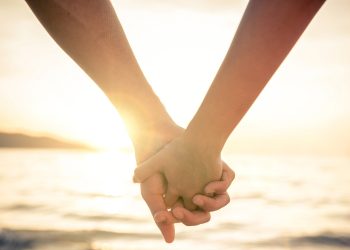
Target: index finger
x=162 y=217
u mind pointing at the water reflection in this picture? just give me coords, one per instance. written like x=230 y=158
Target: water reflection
x=88 y=199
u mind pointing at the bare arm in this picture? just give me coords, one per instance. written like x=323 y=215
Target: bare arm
x=267 y=32
x=90 y=33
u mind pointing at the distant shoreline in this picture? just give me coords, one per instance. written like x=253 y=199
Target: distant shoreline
x=22 y=141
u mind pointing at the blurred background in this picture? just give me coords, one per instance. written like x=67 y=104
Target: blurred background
x=66 y=161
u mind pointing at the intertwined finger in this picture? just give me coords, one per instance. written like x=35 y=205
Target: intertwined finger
x=220 y=187
x=152 y=194
x=211 y=204
x=190 y=218
x=188 y=204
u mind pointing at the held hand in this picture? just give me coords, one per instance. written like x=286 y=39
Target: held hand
x=154 y=187
x=216 y=198
x=186 y=171
x=152 y=190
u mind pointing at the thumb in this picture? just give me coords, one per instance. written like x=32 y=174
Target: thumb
x=148 y=168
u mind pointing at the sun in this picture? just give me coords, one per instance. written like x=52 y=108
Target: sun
x=103 y=128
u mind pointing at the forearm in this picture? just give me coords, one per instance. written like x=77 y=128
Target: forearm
x=90 y=33
x=267 y=32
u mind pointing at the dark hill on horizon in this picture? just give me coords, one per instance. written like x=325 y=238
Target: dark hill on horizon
x=17 y=140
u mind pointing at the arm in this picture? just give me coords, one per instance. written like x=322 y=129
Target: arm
x=90 y=33
x=267 y=32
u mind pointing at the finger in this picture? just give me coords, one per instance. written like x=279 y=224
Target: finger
x=165 y=222
x=178 y=203
x=163 y=218
x=147 y=168
x=229 y=173
x=190 y=218
x=171 y=197
x=210 y=204
x=215 y=187
x=188 y=204
x=221 y=186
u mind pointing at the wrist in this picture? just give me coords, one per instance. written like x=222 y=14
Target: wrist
x=150 y=127
x=154 y=136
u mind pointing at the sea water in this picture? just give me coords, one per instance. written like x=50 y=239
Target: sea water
x=75 y=200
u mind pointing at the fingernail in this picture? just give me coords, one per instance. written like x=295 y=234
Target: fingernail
x=198 y=201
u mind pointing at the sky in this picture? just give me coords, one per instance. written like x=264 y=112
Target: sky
x=180 y=45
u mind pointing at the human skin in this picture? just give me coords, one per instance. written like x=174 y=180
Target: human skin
x=266 y=34
x=155 y=187
x=90 y=33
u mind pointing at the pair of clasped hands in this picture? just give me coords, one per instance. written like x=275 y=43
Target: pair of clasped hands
x=178 y=183
x=181 y=173
x=181 y=182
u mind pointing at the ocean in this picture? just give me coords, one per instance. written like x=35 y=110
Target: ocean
x=79 y=200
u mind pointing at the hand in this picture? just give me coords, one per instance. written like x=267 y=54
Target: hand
x=146 y=143
x=154 y=187
x=215 y=198
x=152 y=191
x=186 y=170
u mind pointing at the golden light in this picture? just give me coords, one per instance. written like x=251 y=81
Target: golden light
x=180 y=50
